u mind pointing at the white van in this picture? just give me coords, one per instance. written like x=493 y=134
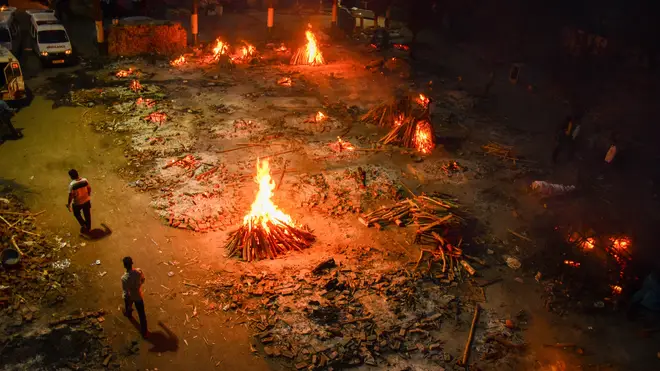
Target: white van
x=12 y=86
x=10 y=32
x=50 y=41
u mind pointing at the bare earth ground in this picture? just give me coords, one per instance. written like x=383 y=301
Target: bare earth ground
x=183 y=267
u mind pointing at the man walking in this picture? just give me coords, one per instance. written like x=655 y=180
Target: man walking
x=80 y=193
x=131 y=283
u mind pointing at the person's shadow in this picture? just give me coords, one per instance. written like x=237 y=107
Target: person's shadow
x=161 y=341
x=97 y=233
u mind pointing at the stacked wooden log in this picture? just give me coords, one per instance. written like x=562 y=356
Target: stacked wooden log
x=425 y=212
x=257 y=239
x=393 y=112
x=412 y=133
x=431 y=215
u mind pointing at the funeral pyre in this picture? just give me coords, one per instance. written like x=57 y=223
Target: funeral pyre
x=266 y=231
x=309 y=54
x=409 y=122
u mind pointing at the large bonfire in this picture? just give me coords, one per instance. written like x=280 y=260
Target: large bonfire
x=310 y=53
x=266 y=231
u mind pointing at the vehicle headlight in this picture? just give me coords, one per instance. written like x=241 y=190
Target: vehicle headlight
x=67 y=52
x=44 y=53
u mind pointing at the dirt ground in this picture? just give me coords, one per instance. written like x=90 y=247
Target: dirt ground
x=179 y=262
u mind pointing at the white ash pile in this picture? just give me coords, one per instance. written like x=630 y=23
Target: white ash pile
x=195 y=192
x=242 y=128
x=349 y=190
x=445 y=171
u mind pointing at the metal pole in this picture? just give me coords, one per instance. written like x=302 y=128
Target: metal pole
x=193 y=21
x=334 y=13
x=98 y=21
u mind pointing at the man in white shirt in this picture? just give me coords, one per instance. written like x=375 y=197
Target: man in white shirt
x=131 y=284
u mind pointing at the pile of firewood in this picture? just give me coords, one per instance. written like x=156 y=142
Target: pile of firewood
x=254 y=241
x=412 y=133
x=428 y=213
x=431 y=215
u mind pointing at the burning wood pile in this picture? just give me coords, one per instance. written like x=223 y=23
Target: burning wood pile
x=309 y=54
x=408 y=118
x=266 y=231
x=342 y=146
x=178 y=62
x=135 y=86
x=156 y=117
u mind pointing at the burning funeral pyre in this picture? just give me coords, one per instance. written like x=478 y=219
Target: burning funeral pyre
x=178 y=62
x=266 y=231
x=309 y=54
x=409 y=120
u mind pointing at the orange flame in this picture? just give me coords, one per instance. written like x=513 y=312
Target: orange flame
x=244 y=53
x=124 y=73
x=284 y=81
x=178 y=62
x=314 y=56
x=572 y=263
x=221 y=48
x=319 y=116
x=620 y=244
x=423 y=139
x=281 y=48
x=341 y=146
x=398 y=121
x=263 y=210
x=616 y=290
x=135 y=86
x=423 y=101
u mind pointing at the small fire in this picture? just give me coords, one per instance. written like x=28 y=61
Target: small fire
x=147 y=102
x=178 y=62
x=616 y=290
x=583 y=243
x=263 y=210
x=401 y=47
x=620 y=244
x=156 y=117
x=135 y=86
x=423 y=139
x=281 y=48
x=124 y=73
x=423 y=101
x=284 y=81
x=398 y=121
x=588 y=244
x=221 y=48
x=244 y=53
x=310 y=53
x=572 y=263
x=319 y=116
x=341 y=146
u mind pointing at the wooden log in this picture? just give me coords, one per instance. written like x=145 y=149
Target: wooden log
x=468 y=267
x=466 y=352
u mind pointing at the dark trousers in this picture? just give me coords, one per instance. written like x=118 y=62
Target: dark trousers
x=86 y=209
x=139 y=306
x=6 y=127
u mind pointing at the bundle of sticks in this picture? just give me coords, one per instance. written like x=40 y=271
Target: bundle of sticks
x=393 y=112
x=257 y=239
x=425 y=212
x=501 y=151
